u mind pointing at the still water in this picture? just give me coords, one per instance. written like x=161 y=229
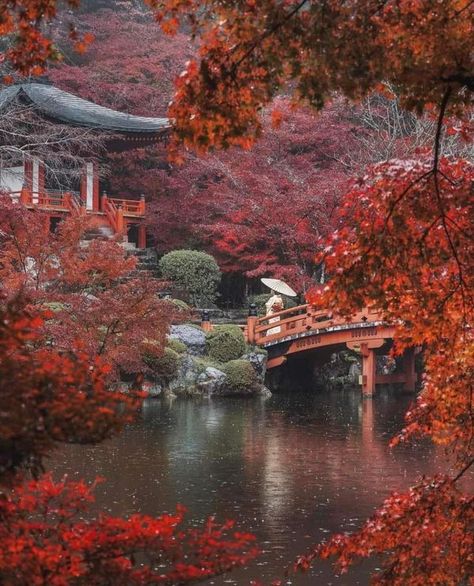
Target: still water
x=292 y=469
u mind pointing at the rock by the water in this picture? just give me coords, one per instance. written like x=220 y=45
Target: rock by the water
x=186 y=376
x=265 y=392
x=193 y=338
x=198 y=375
x=211 y=380
x=154 y=390
x=259 y=361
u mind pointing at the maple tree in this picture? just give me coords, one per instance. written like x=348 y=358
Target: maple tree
x=238 y=201
x=240 y=223
x=95 y=296
x=405 y=246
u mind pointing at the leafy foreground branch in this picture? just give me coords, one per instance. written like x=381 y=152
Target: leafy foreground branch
x=406 y=246
x=428 y=531
x=46 y=541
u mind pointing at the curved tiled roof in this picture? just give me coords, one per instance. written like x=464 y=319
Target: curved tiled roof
x=68 y=108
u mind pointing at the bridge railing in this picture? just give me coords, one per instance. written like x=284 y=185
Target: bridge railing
x=296 y=321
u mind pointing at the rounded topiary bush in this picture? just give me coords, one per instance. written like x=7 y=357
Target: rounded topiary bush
x=176 y=345
x=241 y=377
x=225 y=343
x=164 y=366
x=196 y=272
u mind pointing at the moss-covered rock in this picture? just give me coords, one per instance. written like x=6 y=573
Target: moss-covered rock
x=164 y=367
x=225 y=343
x=176 y=345
x=203 y=362
x=241 y=378
x=194 y=338
x=180 y=305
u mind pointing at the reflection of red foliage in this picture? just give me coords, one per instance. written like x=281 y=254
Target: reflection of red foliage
x=45 y=541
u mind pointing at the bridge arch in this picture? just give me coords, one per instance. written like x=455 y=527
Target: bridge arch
x=303 y=329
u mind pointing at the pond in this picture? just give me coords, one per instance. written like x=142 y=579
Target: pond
x=292 y=469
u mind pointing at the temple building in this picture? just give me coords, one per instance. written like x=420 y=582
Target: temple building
x=29 y=182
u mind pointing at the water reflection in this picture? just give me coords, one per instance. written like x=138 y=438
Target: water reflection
x=292 y=469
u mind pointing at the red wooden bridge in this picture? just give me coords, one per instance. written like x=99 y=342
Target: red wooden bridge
x=306 y=329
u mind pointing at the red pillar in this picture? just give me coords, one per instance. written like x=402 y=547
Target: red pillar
x=95 y=187
x=25 y=195
x=142 y=205
x=41 y=177
x=90 y=186
x=120 y=221
x=83 y=188
x=28 y=174
x=103 y=203
x=409 y=384
x=368 y=370
x=141 y=236
x=251 y=321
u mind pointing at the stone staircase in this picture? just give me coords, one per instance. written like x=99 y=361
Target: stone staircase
x=146 y=258
x=147 y=263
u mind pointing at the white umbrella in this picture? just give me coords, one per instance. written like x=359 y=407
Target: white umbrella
x=279 y=287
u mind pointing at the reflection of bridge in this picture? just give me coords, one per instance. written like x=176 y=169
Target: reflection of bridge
x=304 y=329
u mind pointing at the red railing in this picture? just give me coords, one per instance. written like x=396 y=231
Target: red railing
x=114 y=209
x=49 y=200
x=130 y=207
x=71 y=201
x=297 y=320
x=114 y=214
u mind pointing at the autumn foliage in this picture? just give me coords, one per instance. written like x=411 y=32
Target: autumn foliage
x=428 y=529
x=405 y=246
x=91 y=290
x=250 y=51
x=46 y=541
x=404 y=240
x=48 y=396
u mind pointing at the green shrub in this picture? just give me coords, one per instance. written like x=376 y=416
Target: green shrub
x=261 y=299
x=164 y=366
x=180 y=304
x=176 y=345
x=225 y=343
x=241 y=376
x=196 y=272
